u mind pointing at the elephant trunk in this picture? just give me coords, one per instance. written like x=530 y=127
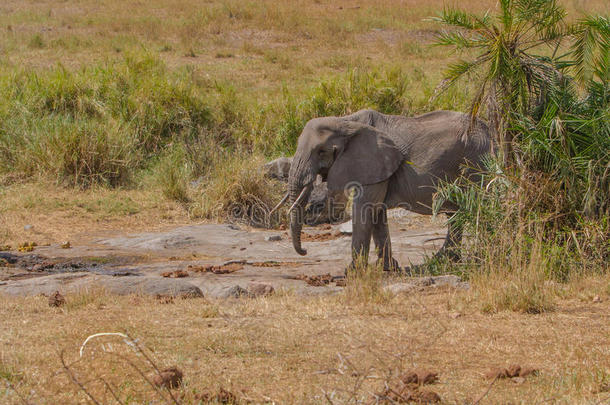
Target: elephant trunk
x=299 y=187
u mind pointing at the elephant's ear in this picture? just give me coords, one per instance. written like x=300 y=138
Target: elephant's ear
x=369 y=157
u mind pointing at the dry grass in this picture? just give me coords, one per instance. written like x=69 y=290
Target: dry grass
x=57 y=214
x=259 y=45
x=291 y=349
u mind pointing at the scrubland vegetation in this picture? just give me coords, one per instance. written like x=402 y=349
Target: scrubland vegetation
x=164 y=111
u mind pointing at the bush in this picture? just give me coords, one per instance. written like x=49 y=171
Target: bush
x=98 y=124
x=173 y=173
x=236 y=189
x=358 y=89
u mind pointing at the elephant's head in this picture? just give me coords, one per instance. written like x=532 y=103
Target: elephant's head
x=342 y=152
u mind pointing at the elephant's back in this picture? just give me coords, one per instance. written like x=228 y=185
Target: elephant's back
x=440 y=142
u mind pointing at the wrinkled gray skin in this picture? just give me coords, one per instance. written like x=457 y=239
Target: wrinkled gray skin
x=321 y=207
x=395 y=160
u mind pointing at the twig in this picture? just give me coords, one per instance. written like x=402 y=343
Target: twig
x=75 y=380
x=157 y=390
x=114 y=395
x=11 y=386
x=153 y=364
x=486 y=392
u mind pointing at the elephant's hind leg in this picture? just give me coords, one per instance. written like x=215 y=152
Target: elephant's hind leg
x=383 y=244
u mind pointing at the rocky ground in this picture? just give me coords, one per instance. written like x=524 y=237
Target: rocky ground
x=215 y=260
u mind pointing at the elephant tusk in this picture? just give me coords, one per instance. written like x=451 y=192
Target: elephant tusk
x=282 y=202
x=299 y=199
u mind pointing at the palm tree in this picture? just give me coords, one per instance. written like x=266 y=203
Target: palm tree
x=509 y=77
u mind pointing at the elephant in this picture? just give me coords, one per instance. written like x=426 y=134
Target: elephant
x=321 y=207
x=392 y=161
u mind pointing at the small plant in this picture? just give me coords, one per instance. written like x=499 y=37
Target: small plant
x=36 y=42
x=364 y=284
x=173 y=174
x=238 y=190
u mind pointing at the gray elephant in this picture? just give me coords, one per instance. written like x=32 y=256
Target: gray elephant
x=392 y=161
x=321 y=207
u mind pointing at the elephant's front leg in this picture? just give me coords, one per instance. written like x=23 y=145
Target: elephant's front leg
x=383 y=244
x=368 y=200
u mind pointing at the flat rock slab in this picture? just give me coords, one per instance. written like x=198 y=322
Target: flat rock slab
x=75 y=282
x=135 y=264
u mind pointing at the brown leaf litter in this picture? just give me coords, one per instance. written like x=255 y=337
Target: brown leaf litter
x=175 y=274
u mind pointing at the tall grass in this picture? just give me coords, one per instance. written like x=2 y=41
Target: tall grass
x=96 y=125
x=383 y=90
x=105 y=124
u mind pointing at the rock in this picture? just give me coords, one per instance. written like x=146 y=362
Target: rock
x=425 y=397
x=168 y=378
x=424 y=281
x=278 y=169
x=513 y=370
x=525 y=371
x=56 y=299
x=496 y=373
x=518 y=380
x=346 y=228
x=341 y=282
x=47 y=285
x=420 y=377
x=235 y=291
x=273 y=238
x=260 y=289
x=324 y=207
x=175 y=274
x=151 y=286
x=400 y=288
x=449 y=279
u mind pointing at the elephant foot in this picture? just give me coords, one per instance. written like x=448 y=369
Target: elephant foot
x=452 y=254
x=389 y=265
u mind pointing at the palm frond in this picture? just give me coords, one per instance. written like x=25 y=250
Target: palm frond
x=461 y=19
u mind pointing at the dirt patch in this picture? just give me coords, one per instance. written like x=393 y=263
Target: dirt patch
x=320 y=237
x=423 y=35
x=170 y=377
x=222 y=269
x=388 y=36
x=272 y=263
x=56 y=299
x=419 y=377
x=408 y=393
x=222 y=396
x=511 y=371
x=175 y=274
x=316 y=281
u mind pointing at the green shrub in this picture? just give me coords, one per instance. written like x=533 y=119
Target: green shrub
x=98 y=124
x=173 y=173
x=383 y=90
x=237 y=189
